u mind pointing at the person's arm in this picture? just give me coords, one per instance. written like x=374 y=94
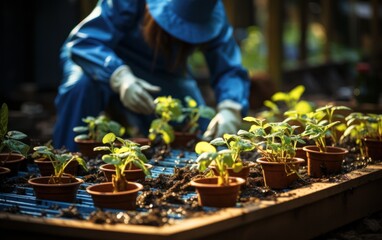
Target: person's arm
x=230 y=83
x=91 y=43
x=91 y=46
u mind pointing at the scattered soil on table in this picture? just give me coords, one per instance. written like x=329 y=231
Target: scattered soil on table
x=164 y=195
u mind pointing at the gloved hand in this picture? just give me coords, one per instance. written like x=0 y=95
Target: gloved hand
x=227 y=120
x=133 y=91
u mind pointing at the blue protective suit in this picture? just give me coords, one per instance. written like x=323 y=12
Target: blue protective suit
x=111 y=36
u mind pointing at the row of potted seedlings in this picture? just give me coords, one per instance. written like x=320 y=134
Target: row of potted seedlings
x=221 y=159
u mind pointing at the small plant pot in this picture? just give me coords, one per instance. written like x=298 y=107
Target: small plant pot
x=243 y=173
x=86 y=148
x=373 y=149
x=324 y=163
x=11 y=161
x=104 y=197
x=4 y=172
x=300 y=153
x=65 y=191
x=280 y=175
x=132 y=174
x=46 y=167
x=184 y=140
x=210 y=194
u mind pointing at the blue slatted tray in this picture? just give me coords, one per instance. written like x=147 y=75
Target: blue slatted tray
x=22 y=197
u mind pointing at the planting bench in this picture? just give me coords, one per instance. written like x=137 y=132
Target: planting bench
x=301 y=213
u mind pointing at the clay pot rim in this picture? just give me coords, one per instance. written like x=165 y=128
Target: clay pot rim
x=21 y=157
x=4 y=170
x=332 y=150
x=103 y=167
x=248 y=165
x=32 y=181
x=367 y=139
x=46 y=160
x=89 y=190
x=234 y=181
x=42 y=160
x=294 y=161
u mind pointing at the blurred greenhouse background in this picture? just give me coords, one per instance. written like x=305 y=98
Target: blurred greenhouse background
x=314 y=43
x=284 y=43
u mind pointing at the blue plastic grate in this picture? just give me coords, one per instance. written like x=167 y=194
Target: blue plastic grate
x=22 y=198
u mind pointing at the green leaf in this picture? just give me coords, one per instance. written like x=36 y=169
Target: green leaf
x=17 y=135
x=82 y=163
x=202 y=147
x=297 y=92
x=303 y=107
x=324 y=108
x=17 y=146
x=191 y=102
x=81 y=137
x=218 y=141
x=280 y=96
x=41 y=148
x=80 y=129
x=142 y=166
x=141 y=157
x=116 y=128
x=145 y=147
x=273 y=106
x=226 y=157
x=109 y=138
x=62 y=158
x=102 y=148
x=111 y=159
x=246 y=145
x=244 y=133
x=237 y=167
x=251 y=119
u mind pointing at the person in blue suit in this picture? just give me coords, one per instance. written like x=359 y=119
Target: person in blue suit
x=128 y=52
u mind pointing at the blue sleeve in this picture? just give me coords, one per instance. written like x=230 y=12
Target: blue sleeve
x=91 y=43
x=229 y=79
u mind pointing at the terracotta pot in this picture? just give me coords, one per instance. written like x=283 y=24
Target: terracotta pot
x=300 y=153
x=11 y=161
x=244 y=173
x=86 y=148
x=104 y=197
x=4 y=172
x=184 y=140
x=279 y=175
x=65 y=191
x=324 y=163
x=132 y=174
x=212 y=195
x=373 y=148
x=46 y=167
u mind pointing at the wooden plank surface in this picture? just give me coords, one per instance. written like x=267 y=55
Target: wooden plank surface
x=301 y=213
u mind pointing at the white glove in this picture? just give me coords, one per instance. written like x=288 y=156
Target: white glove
x=227 y=120
x=133 y=91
